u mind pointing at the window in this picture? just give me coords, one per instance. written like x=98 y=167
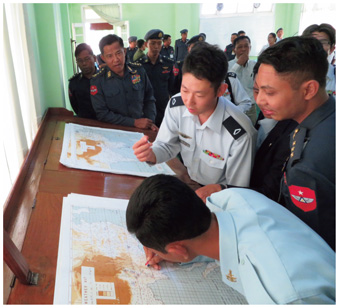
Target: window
x=234 y=8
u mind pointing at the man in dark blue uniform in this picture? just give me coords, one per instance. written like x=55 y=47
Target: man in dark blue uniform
x=79 y=84
x=122 y=93
x=229 y=49
x=167 y=50
x=130 y=51
x=194 y=39
x=287 y=87
x=159 y=70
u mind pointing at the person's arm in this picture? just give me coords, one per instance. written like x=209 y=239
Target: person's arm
x=149 y=109
x=72 y=99
x=103 y=113
x=241 y=98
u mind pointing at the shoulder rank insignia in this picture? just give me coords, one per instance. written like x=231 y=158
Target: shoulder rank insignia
x=99 y=73
x=231 y=74
x=176 y=101
x=233 y=127
x=135 y=64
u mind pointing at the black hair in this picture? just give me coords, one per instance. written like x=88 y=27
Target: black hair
x=240 y=38
x=166 y=36
x=279 y=30
x=234 y=34
x=298 y=58
x=241 y=32
x=81 y=47
x=273 y=34
x=206 y=61
x=140 y=43
x=108 y=40
x=326 y=28
x=163 y=210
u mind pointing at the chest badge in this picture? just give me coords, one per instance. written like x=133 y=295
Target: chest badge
x=230 y=277
x=135 y=79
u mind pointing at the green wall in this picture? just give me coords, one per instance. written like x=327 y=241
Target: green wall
x=50 y=25
x=287 y=16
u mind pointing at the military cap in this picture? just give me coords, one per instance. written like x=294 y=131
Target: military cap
x=132 y=39
x=183 y=31
x=154 y=34
x=196 y=38
x=204 y=35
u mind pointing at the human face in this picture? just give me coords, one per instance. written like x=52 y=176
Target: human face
x=199 y=96
x=133 y=44
x=85 y=62
x=276 y=98
x=280 y=34
x=114 y=57
x=184 y=36
x=270 y=39
x=242 y=47
x=168 y=42
x=233 y=37
x=154 y=47
x=324 y=40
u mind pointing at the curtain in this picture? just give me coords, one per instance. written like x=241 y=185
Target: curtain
x=109 y=12
x=19 y=116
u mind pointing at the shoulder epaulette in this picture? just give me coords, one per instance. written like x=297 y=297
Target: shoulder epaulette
x=74 y=76
x=231 y=74
x=233 y=127
x=167 y=59
x=135 y=64
x=176 y=101
x=99 y=73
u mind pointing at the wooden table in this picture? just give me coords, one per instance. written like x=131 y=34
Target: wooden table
x=32 y=212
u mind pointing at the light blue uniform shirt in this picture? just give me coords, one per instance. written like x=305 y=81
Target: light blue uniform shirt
x=268 y=254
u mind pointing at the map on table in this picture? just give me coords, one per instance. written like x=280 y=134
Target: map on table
x=107 y=150
x=99 y=262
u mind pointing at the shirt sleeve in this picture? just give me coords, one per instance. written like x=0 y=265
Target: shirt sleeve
x=101 y=109
x=149 y=108
x=167 y=146
x=72 y=99
x=241 y=99
x=240 y=161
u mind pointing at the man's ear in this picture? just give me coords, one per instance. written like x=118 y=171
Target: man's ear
x=146 y=45
x=222 y=89
x=310 y=89
x=178 y=249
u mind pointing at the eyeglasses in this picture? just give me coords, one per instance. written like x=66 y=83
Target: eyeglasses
x=325 y=42
x=81 y=61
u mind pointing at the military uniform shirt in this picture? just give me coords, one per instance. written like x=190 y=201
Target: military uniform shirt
x=268 y=254
x=121 y=100
x=161 y=77
x=309 y=181
x=219 y=151
x=241 y=98
x=180 y=50
x=80 y=97
x=167 y=52
x=130 y=53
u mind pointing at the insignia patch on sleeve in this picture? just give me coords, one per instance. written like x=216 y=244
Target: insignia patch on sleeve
x=176 y=101
x=234 y=128
x=231 y=74
x=94 y=90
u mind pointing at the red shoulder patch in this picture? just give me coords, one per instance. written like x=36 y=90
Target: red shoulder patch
x=303 y=197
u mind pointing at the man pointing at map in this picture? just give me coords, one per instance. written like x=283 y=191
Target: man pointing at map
x=265 y=252
x=121 y=93
x=215 y=139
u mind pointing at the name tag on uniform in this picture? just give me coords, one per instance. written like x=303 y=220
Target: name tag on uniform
x=184 y=143
x=184 y=136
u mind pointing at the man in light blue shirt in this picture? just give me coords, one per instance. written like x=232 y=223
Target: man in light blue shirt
x=265 y=252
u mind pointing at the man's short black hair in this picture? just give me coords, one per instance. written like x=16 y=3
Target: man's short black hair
x=163 y=210
x=140 y=43
x=241 y=32
x=166 y=36
x=109 y=40
x=298 y=58
x=81 y=47
x=326 y=28
x=206 y=61
x=240 y=38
